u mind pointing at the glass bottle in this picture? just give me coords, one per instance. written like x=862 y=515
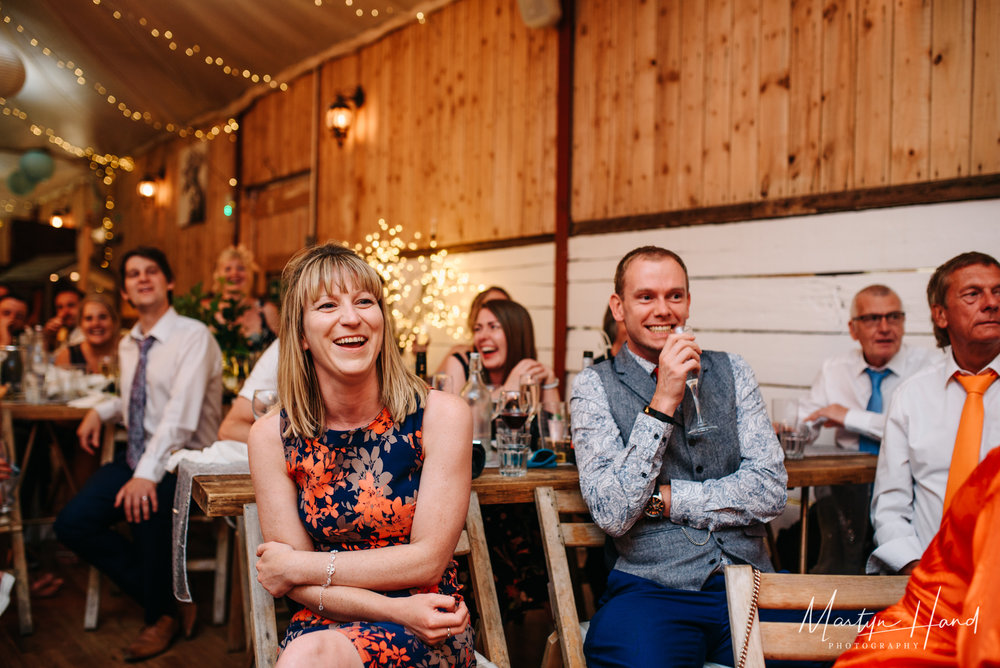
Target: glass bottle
x=588 y=359
x=477 y=395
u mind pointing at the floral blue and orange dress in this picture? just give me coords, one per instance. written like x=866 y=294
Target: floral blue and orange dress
x=358 y=491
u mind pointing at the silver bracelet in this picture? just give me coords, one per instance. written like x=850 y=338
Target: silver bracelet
x=551 y=386
x=331 y=568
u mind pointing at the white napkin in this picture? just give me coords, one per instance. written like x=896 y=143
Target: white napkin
x=89 y=400
x=220 y=452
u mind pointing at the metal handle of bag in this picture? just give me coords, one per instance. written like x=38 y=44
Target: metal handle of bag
x=753 y=612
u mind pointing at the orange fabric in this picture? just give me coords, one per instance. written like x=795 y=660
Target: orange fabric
x=968 y=440
x=950 y=613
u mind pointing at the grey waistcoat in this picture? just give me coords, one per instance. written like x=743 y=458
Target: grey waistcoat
x=674 y=555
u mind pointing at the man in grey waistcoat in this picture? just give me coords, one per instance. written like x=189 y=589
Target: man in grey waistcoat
x=678 y=507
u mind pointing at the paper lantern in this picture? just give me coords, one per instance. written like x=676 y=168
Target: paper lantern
x=11 y=70
x=37 y=165
x=19 y=184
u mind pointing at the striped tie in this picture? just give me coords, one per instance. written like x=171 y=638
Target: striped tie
x=968 y=440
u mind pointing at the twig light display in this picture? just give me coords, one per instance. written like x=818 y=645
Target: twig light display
x=420 y=292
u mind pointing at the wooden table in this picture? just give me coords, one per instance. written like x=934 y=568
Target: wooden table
x=811 y=471
x=224 y=495
x=38 y=415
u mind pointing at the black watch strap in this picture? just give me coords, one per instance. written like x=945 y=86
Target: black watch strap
x=659 y=415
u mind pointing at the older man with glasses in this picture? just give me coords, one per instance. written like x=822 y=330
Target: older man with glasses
x=945 y=418
x=850 y=394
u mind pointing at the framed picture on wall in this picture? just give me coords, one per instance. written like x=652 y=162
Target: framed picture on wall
x=193 y=181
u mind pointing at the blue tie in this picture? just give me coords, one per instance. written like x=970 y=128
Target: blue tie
x=866 y=444
x=137 y=407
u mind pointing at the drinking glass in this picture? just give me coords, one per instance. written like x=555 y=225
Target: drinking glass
x=512 y=449
x=442 y=382
x=263 y=401
x=700 y=426
x=8 y=489
x=554 y=424
x=531 y=393
x=791 y=434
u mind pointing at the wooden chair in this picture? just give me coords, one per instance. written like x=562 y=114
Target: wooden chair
x=13 y=524
x=218 y=564
x=557 y=536
x=824 y=641
x=472 y=542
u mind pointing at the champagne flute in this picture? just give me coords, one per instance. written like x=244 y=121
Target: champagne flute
x=263 y=401
x=531 y=392
x=700 y=425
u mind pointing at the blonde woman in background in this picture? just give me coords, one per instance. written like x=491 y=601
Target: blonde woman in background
x=234 y=274
x=99 y=323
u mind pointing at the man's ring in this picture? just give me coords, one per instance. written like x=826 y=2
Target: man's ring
x=145 y=498
x=449 y=631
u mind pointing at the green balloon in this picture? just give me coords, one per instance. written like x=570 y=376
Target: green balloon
x=37 y=165
x=19 y=184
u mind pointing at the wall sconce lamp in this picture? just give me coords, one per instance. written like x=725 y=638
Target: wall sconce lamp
x=150 y=184
x=147 y=186
x=59 y=218
x=340 y=114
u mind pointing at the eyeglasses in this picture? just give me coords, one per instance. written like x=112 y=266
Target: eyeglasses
x=872 y=319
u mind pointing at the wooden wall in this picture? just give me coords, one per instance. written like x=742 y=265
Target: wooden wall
x=695 y=103
x=191 y=250
x=456 y=138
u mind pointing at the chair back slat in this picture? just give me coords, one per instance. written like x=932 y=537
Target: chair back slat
x=581 y=534
x=561 y=597
x=463 y=548
x=794 y=641
x=787 y=591
x=826 y=638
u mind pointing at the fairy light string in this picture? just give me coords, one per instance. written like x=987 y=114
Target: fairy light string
x=420 y=292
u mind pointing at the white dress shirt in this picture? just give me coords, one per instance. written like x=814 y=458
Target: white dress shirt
x=842 y=380
x=913 y=462
x=264 y=375
x=183 y=389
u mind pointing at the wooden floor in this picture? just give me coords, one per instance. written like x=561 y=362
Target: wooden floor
x=59 y=639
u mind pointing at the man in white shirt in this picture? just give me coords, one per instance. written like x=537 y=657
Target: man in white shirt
x=923 y=418
x=171 y=397
x=239 y=419
x=850 y=394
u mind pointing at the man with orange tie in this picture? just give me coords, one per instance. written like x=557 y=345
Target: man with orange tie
x=944 y=419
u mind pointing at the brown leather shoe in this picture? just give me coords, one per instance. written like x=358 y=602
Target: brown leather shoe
x=153 y=639
x=189 y=616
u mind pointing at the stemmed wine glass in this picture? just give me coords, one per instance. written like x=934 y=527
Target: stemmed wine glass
x=512 y=409
x=263 y=401
x=700 y=425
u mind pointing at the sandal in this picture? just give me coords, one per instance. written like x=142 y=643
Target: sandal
x=47 y=585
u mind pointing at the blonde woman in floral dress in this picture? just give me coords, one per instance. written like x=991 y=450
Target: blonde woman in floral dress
x=362 y=481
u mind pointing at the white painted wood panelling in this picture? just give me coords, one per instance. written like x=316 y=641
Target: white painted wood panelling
x=526 y=272
x=778 y=291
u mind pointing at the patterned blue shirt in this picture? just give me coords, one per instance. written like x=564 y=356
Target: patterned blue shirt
x=618 y=478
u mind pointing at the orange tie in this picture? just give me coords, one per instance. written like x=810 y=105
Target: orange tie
x=968 y=441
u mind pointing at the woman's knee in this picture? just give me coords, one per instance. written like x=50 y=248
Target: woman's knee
x=320 y=648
